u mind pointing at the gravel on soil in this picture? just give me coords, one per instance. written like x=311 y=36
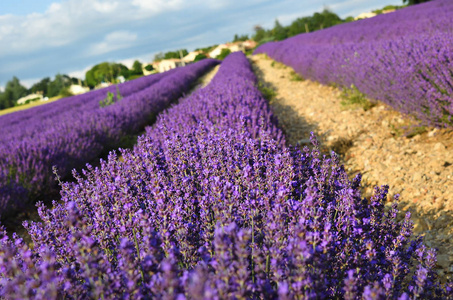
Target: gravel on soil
x=372 y=142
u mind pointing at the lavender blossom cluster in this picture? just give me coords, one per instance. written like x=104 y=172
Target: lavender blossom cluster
x=211 y=204
x=73 y=131
x=404 y=58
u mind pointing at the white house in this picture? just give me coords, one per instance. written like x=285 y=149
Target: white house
x=77 y=89
x=249 y=44
x=167 y=64
x=34 y=97
x=217 y=50
x=191 y=56
x=234 y=47
x=102 y=85
x=365 y=15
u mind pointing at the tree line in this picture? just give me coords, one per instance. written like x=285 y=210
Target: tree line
x=109 y=72
x=59 y=86
x=14 y=90
x=317 y=21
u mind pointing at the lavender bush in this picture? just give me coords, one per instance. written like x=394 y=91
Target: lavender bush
x=211 y=204
x=73 y=131
x=404 y=59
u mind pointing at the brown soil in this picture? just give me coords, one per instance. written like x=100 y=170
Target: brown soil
x=372 y=142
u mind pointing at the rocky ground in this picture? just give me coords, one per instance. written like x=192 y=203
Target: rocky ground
x=385 y=146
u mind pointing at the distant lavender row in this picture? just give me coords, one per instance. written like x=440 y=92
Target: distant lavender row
x=26 y=122
x=74 y=137
x=404 y=59
x=211 y=205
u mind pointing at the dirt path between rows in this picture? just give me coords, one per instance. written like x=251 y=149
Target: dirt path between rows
x=418 y=168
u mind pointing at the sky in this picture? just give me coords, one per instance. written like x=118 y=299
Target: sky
x=40 y=38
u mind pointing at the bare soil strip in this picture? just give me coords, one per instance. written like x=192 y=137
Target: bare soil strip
x=419 y=168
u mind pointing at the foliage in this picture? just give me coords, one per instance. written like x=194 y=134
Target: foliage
x=136 y=68
x=387 y=7
x=149 y=68
x=171 y=54
x=31 y=100
x=51 y=88
x=403 y=59
x=13 y=91
x=133 y=77
x=278 y=65
x=260 y=33
x=412 y=2
x=111 y=98
x=57 y=85
x=296 y=77
x=353 y=97
x=224 y=53
x=279 y=32
x=211 y=204
x=268 y=92
x=318 y=21
x=200 y=57
x=241 y=38
x=105 y=72
x=206 y=49
x=415 y=130
x=41 y=86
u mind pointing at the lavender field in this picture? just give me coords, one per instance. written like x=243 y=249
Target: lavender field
x=212 y=204
x=404 y=59
x=73 y=131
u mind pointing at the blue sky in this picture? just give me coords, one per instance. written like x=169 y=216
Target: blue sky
x=40 y=38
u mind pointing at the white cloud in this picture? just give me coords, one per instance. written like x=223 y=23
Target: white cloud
x=113 y=41
x=73 y=20
x=157 y=6
x=105 y=7
x=53 y=8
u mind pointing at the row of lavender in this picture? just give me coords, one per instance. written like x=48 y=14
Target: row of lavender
x=26 y=122
x=78 y=130
x=212 y=205
x=404 y=59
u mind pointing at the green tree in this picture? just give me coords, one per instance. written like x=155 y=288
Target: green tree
x=149 y=68
x=57 y=85
x=224 y=53
x=279 y=32
x=206 y=49
x=176 y=54
x=41 y=86
x=200 y=57
x=412 y=2
x=241 y=38
x=316 y=22
x=105 y=72
x=13 y=91
x=158 y=56
x=260 y=33
x=137 y=68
